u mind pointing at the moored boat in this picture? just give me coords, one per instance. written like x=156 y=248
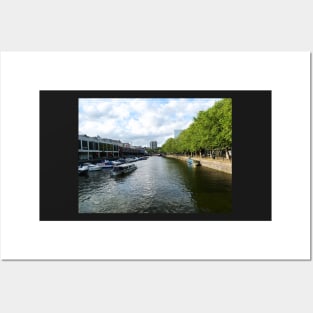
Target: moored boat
x=123 y=169
x=92 y=167
x=143 y=158
x=116 y=163
x=83 y=170
x=105 y=164
x=130 y=160
x=193 y=163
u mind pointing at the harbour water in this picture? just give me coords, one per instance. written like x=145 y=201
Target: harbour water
x=158 y=185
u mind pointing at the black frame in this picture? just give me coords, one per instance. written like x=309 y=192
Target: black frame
x=251 y=163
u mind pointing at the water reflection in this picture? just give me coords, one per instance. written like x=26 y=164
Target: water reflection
x=159 y=185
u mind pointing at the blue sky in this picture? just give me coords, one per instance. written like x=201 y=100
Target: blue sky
x=138 y=121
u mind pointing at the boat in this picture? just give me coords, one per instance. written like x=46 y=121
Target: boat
x=123 y=169
x=105 y=164
x=193 y=163
x=143 y=158
x=129 y=160
x=83 y=170
x=92 y=167
x=116 y=163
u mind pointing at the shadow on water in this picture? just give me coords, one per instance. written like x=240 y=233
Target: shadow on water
x=211 y=190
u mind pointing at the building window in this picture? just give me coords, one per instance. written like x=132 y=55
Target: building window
x=91 y=145
x=85 y=145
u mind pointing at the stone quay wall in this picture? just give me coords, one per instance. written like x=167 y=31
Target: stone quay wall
x=219 y=165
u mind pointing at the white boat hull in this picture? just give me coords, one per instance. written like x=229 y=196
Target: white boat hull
x=92 y=167
x=83 y=170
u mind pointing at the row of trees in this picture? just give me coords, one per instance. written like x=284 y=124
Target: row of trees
x=211 y=130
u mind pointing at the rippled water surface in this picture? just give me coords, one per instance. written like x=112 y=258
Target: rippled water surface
x=159 y=185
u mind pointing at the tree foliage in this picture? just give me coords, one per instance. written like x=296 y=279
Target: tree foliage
x=211 y=129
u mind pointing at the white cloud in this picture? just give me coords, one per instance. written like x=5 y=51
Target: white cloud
x=138 y=121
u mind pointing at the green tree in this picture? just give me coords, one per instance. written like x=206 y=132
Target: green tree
x=211 y=129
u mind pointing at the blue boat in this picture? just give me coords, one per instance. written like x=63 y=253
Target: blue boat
x=192 y=162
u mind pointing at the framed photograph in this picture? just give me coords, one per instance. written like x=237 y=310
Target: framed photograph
x=195 y=150
x=191 y=175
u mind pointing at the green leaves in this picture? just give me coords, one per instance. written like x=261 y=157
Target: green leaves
x=210 y=129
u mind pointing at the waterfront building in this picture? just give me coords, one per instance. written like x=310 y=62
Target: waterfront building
x=153 y=145
x=94 y=148
x=90 y=148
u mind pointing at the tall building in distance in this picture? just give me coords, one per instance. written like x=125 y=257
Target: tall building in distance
x=177 y=132
x=153 y=145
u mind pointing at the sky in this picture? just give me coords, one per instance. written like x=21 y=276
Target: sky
x=138 y=121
